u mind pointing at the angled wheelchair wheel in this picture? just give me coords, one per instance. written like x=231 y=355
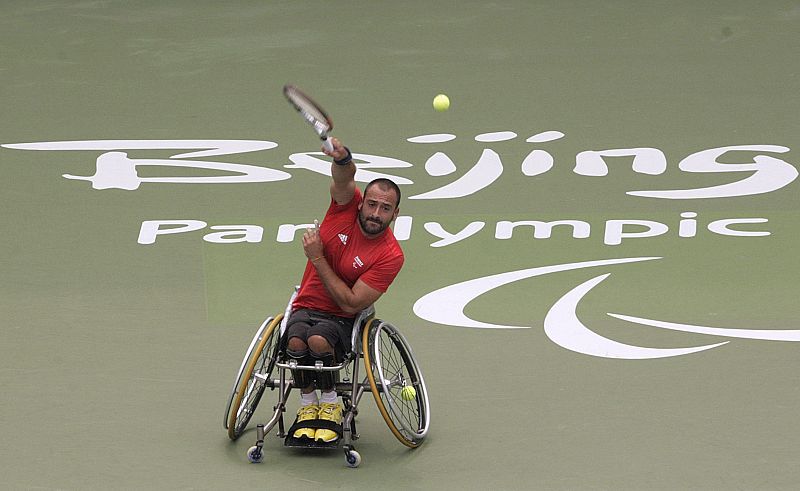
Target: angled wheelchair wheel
x=396 y=382
x=256 y=369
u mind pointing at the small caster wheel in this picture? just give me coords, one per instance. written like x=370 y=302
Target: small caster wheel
x=353 y=458
x=255 y=455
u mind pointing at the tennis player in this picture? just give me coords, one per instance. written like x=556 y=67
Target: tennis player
x=353 y=257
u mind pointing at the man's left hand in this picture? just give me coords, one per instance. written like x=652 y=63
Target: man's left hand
x=312 y=244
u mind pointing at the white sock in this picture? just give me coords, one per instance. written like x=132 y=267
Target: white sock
x=329 y=397
x=309 y=399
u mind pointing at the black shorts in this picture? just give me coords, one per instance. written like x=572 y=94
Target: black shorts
x=305 y=323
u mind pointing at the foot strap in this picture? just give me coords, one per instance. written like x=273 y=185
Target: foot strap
x=317 y=424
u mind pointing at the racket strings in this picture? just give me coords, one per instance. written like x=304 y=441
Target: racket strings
x=309 y=110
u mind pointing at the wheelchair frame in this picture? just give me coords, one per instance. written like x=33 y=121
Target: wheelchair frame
x=389 y=364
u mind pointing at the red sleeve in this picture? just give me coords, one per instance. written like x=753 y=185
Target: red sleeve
x=352 y=206
x=383 y=273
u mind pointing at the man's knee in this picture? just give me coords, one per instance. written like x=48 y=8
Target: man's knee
x=296 y=344
x=318 y=344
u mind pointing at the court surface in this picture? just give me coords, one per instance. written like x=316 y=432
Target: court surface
x=617 y=157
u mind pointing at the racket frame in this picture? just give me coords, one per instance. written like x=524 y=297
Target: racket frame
x=322 y=127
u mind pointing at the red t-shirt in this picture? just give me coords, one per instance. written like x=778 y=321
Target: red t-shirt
x=352 y=256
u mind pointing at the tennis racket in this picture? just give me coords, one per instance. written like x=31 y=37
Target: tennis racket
x=312 y=113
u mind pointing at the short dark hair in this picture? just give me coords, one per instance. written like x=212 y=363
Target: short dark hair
x=385 y=185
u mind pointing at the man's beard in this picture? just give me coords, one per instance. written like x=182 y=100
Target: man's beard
x=371 y=226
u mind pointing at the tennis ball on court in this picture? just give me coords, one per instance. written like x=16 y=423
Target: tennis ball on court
x=408 y=393
x=441 y=102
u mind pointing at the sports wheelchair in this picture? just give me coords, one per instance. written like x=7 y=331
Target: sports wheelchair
x=392 y=376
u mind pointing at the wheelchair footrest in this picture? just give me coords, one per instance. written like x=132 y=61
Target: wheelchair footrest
x=306 y=442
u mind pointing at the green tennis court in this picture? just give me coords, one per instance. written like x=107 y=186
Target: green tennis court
x=600 y=236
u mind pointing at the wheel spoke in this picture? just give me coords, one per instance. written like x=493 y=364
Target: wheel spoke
x=395 y=370
x=391 y=368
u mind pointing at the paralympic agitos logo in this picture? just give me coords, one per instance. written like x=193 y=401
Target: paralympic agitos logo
x=764 y=174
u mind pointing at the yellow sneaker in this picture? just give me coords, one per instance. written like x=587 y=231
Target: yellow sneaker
x=306 y=413
x=329 y=412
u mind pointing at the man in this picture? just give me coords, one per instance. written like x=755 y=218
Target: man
x=352 y=260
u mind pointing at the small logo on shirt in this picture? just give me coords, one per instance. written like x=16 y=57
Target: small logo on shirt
x=343 y=238
x=357 y=262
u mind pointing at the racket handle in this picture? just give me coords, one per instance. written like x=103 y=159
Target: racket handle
x=328 y=144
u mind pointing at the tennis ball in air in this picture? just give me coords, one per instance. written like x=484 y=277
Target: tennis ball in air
x=408 y=393
x=441 y=102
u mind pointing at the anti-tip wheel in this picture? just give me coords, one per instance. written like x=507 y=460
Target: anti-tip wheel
x=353 y=458
x=255 y=455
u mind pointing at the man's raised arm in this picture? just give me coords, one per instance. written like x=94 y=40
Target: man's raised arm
x=343 y=171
